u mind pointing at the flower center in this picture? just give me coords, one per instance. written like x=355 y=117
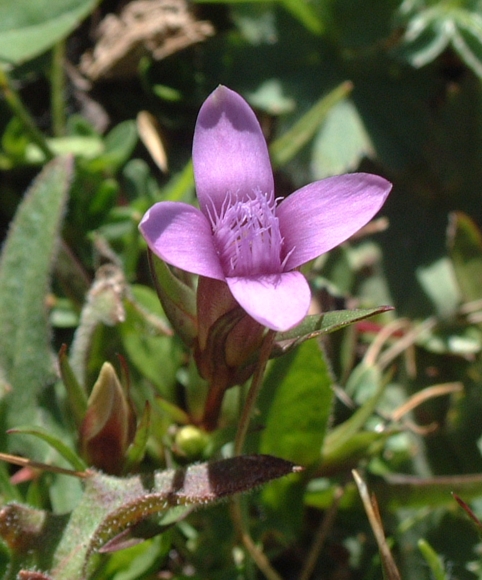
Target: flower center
x=247 y=236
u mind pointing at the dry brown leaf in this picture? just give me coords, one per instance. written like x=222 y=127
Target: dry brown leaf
x=144 y=27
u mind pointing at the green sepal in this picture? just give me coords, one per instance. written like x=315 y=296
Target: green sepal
x=137 y=449
x=177 y=298
x=76 y=395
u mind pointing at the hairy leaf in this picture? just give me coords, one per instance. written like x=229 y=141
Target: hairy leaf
x=65 y=546
x=26 y=357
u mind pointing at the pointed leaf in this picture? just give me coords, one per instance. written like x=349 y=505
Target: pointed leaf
x=26 y=357
x=288 y=145
x=319 y=324
x=63 y=449
x=434 y=561
x=137 y=449
x=75 y=393
x=111 y=505
x=306 y=14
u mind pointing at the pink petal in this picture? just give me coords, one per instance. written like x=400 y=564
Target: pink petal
x=230 y=154
x=277 y=301
x=321 y=215
x=181 y=235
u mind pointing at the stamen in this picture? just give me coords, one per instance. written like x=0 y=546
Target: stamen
x=247 y=235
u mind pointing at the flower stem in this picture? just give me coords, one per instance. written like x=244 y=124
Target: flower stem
x=256 y=554
x=18 y=109
x=214 y=402
x=321 y=535
x=253 y=392
x=57 y=81
x=240 y=526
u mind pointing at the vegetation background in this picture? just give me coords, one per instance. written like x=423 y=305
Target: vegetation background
x=110 y=92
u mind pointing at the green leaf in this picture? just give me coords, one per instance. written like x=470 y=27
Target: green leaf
x=305 y=13
x=300 y=9
x=431 y=30
x=298 y=396
x=434 y=561
x=76 y=395
x=27 y=29
x=299 y=387
x=154 y=352
x=348 y=442
x=137 y=449
x=425 y=37
x=319 y=324
x=466 y=38
x=465 y=247
x=341 y=143
x=89 y=146
x=118 y=146
x=290 y=143
x=64 y=450
x=26 y=357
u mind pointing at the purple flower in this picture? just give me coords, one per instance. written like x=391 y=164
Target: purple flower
x=240 y=234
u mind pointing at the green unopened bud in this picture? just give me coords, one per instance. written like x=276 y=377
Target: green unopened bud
x=109 y=423
x=191 y=442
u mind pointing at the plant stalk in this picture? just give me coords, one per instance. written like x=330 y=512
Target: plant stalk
x=253 y=392
x=57 y=93
x=19 y=110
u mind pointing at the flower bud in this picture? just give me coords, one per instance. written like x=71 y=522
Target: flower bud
x=109 y=423
x=191 y=442
x=228 y=338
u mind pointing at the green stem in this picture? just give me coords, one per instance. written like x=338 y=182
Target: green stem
x=239 y=522
x=253 y=392
x=18 y=109
x=321 y=535
x=57 y=92
x=256 y=554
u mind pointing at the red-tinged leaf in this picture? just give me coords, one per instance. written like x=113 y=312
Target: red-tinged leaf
x=108 y=426
x=116 y=512
x=30 y=575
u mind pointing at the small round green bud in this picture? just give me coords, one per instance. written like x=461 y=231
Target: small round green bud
x=191 y=442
